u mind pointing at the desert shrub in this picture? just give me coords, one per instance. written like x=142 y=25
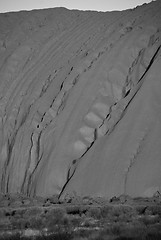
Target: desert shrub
x=36 y=223
x=140 y=209
x=19 y=223
x=94 y=213
x=54 y=199
x=72 y=198
x=33 y=212
x=112 y=230
x=125 y=238
x=5 y=224
x=58 y=236
x=100 y=236
x=2 y=213
x=52 y=214
x=118 y=214
x=57 y=218
x=57 y=212
x=148 y=220
x=18 y=213
x=153 y=234
x=134 y=231
x=154 y=210
x=121 y=210
x=115 y=229
x=75 y=221
x=65 y=221
x=83 y=233
x=73 y=210
x=87 y=200
x=124 y=218
x=105 y=211
x=13 y=237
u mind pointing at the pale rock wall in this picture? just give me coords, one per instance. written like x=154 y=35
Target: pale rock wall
x=80 y=102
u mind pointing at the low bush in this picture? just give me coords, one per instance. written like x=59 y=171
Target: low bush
x=94 y=212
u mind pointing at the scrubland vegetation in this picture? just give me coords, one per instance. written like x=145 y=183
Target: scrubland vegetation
x=80 y=219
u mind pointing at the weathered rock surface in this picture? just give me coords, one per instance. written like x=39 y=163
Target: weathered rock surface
x=80 y=102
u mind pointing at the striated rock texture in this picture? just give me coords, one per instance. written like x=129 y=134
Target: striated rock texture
x=80 y=102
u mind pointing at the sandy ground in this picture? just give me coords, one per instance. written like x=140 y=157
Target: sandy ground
x=80 y=102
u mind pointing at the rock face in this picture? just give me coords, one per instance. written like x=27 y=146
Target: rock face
x=80 y=102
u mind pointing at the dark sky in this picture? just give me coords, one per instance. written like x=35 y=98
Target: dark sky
x=99 y=5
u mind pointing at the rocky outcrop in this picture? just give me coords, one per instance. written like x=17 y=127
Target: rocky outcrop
x=80 y=102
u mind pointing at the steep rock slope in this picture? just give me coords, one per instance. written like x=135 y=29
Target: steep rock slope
x=80 y=102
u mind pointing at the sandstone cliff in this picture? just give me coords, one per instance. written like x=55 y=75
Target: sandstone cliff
x=80 y=102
